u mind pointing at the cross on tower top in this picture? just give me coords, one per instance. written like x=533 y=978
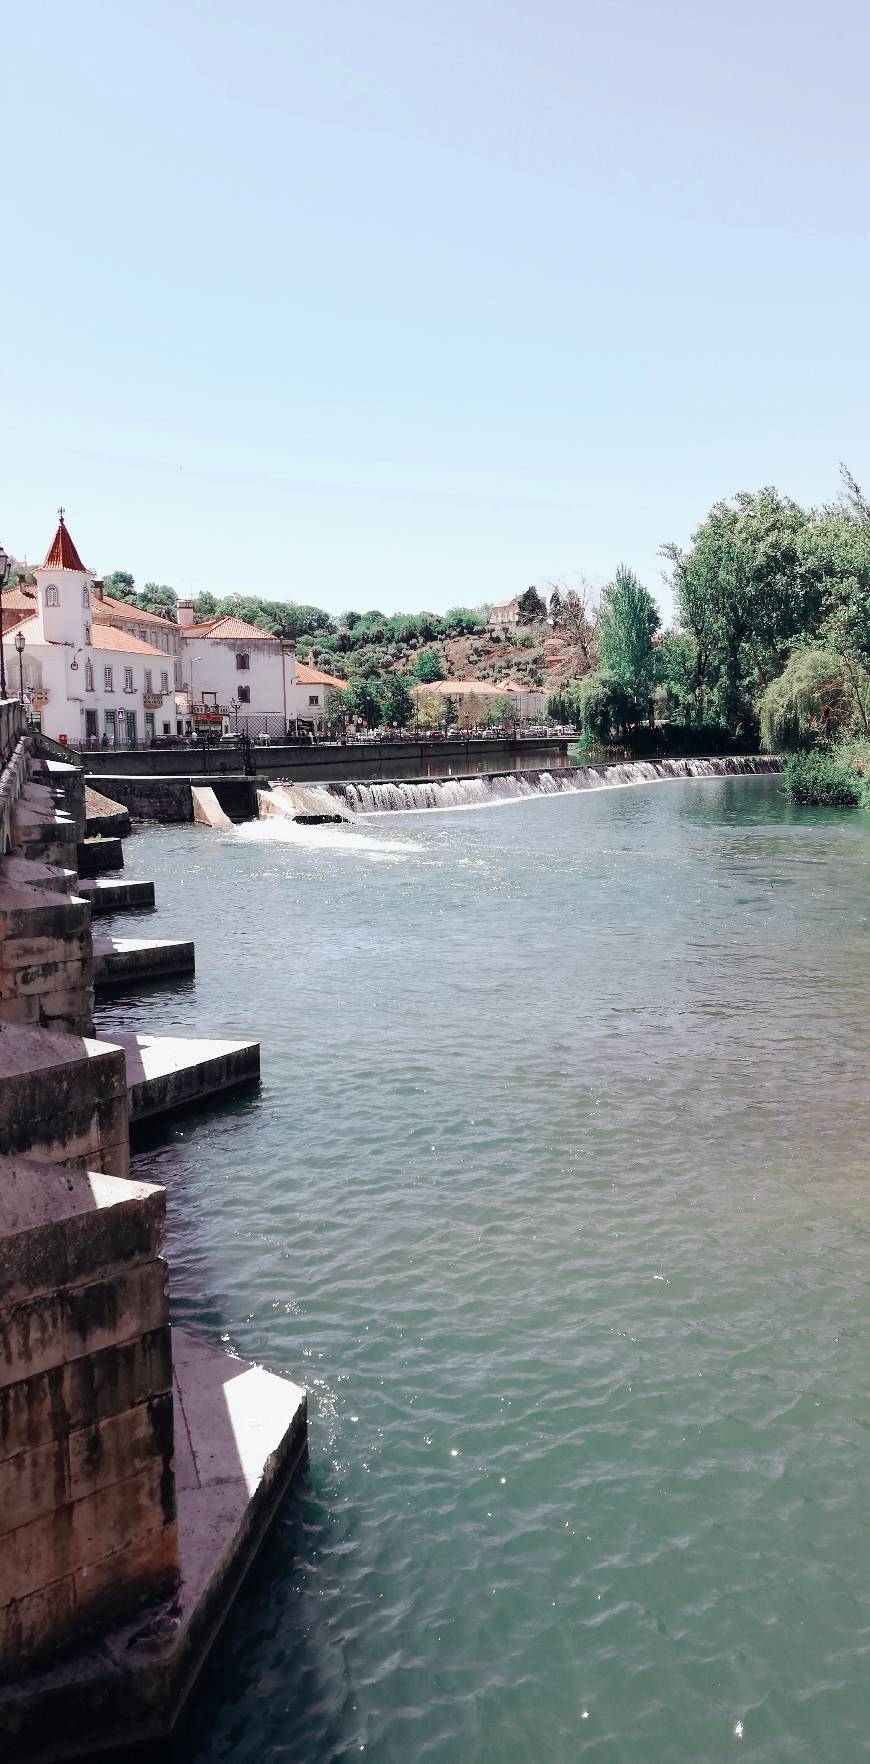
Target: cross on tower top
x=61 y=512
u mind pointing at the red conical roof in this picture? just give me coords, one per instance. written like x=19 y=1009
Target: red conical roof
x=62 y=554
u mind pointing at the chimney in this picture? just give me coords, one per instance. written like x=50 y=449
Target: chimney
x=96 y=589
x=185 y=612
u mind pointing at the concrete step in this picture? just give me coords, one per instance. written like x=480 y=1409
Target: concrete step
x=116 y=897
x=104 y=816
x=167 y=1072
x=16 y=872
x=240 y=1436
x=118 y=960
x=97 y=855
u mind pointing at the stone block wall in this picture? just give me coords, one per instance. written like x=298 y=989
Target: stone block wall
x=46 y=956
x=87 y=1490
x=63 y=1099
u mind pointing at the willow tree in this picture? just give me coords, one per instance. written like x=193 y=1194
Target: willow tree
x=811 y=701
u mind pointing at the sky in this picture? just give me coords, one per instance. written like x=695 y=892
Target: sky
x=410 y=305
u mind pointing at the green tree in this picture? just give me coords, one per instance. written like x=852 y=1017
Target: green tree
x=428 y=666
x=204 y=607
x=531 y=607
x=398 y=705
x=555 y=608
x=500 y=709
x=607 y=706
x=363 y=700
x=810 y=701
x=157 y=597
x=120 y=585
x=747 y=588
x=676 y=693
x=628 y=619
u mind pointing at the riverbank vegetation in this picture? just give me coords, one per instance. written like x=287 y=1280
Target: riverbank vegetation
x=771 y=643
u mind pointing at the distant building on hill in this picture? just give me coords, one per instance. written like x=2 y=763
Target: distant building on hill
x=528 y=701
x=503 y=616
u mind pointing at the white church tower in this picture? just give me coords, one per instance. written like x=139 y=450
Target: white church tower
x=63 y=586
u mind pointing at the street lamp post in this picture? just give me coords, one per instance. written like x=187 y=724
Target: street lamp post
x=19 y=644
x=5 y=567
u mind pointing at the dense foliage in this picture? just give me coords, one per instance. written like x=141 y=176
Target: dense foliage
x=826 y=777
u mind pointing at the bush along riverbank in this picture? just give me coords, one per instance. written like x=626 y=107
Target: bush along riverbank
x=829 y=777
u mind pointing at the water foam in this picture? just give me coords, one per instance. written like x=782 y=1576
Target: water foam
x=490 y=791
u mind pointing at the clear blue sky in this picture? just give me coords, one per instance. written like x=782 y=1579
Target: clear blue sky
x=402 y=305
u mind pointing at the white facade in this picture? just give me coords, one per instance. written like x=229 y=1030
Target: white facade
x=86 y=682
x=309 y=698
x=507 y=613
x=237 y=677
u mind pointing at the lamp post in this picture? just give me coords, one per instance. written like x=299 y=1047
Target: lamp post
x=234 y=707
x=19 y=644
x=5 y=567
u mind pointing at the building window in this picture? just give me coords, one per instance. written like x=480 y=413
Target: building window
x=86 y=598
x=164 y=681
x=89 y=676
x=148 y=685
x=107 y=679
x=128 y=679
x=143 y=634
x=244 y=695
x=87 y=632
x=243 y=662
x=166 y=729
x=313 y=698
x=52 y=598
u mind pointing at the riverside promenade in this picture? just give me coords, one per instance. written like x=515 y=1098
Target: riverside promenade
x=139 y=1466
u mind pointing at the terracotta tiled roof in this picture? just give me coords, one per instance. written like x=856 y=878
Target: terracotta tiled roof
x=227 y=628
x=62 y=554
x=458 y=688
x=19 y=600
x=107 y=637
x=133 y=613
x=306 y=676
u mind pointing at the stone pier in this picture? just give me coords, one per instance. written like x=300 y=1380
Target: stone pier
x=139 y=1468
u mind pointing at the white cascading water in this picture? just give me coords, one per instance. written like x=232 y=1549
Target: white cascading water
x=487 y=790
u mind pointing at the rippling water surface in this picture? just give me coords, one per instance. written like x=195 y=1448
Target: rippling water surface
x=556 y=1198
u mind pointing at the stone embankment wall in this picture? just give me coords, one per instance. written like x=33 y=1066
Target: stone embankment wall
x=369 y=759
x=87 y=1492
x=87 y=1498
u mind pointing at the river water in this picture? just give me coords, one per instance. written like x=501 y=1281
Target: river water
x=556 y=1198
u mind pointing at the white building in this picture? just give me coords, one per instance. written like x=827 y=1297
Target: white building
x=88 y=682
x=506 y=614
x=234 y=676
x=310 y=699
x=237 y=677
